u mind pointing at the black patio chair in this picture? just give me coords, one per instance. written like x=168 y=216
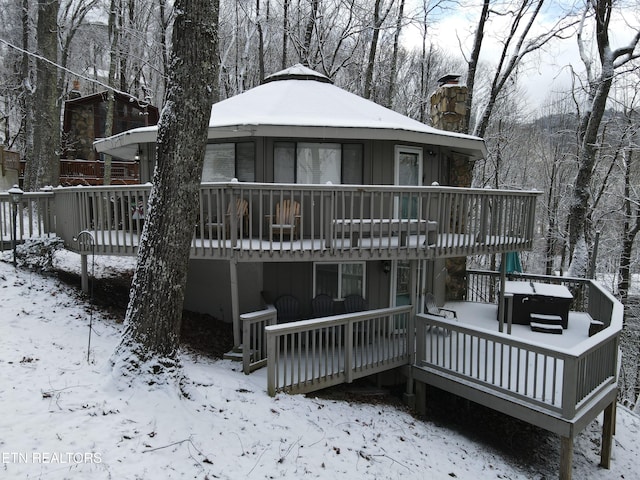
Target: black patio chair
x=322 y=306
x=355 y=303
x=288 y=308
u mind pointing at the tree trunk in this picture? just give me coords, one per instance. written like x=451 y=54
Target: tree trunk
x=260 y=43
x=26 y=98
x=630 y=229
x=473 y=61
x=394 y=57
x=308 y=34
x=153 y=318
x=44 y=167
x=378 y=20
x=285 y=32
x=114 y=35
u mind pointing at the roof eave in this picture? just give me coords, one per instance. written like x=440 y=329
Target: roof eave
x=124 y=145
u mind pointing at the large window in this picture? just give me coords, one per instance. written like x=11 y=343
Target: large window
x=339 y=279
x=224 y=161
x=317 y=163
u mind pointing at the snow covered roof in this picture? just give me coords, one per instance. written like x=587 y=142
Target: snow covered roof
x=300 y=102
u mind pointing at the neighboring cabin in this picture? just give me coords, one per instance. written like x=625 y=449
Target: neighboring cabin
x=84 y=121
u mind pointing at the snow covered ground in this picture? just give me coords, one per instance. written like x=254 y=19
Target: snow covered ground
x=64 y=417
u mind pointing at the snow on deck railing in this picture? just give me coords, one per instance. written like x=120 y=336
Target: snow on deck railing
x=254 y=220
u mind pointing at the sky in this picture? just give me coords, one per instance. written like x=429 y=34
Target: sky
x=547 y=72
x=66 y=417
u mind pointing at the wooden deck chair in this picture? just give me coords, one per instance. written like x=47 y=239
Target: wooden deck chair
x=242 y=215
x=241 y=207
x=286 y=220
x=288 y=308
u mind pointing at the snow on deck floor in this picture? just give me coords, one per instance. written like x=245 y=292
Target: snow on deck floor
x=485 y=316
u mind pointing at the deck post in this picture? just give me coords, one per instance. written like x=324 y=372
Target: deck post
x=421 y=398
x=608 y=425
x=272 y=360
x=566 y=457
x=501 y=303
x=508 y=305
x=235 y=302
x=84 y=273
x=348 y=352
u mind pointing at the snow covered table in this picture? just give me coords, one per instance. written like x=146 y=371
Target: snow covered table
x=543 y=298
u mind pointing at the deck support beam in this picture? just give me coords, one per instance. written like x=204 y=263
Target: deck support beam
x=235 y=301
x=421 y=398
x=566 y=457
x=608 y=427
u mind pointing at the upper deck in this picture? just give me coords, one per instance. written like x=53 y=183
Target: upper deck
x=240 y=221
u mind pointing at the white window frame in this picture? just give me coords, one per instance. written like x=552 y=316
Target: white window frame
x=399 y=149
x=340 y=264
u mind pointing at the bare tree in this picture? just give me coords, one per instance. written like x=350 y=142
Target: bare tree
x=114 y=38
x=394 y=57
x=517 y=43
x=379 y=16
x=600 y=80
x=305 y=53
x=153 y=318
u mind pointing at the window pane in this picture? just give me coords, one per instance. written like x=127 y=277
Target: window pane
x=352 y=164
x=352 y=279
x=219 y=163
x=319 y=163
x=246 y=162
x=409 y=171
x=284 y=162
x=327 y=279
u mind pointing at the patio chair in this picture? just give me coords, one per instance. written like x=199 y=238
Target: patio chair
x=355 y=303
x=322 y=306
x=286 y=219
x=241 y=207
x=432 y=308
x=288 y=308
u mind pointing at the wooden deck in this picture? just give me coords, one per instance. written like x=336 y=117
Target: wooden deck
x=557 y=382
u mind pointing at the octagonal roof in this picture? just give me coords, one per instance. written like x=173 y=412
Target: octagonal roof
x=301 y=103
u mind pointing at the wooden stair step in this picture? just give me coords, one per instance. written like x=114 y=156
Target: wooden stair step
x=546 y=328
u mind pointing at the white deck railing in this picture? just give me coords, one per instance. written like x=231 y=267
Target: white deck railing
x=254 y=338
x=372 y=221
x=556 y=379
x=35 y=217
x=313 y=354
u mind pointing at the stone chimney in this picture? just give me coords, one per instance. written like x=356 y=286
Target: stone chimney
x=448 y=108
x=75 y=91
x=449 y=104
